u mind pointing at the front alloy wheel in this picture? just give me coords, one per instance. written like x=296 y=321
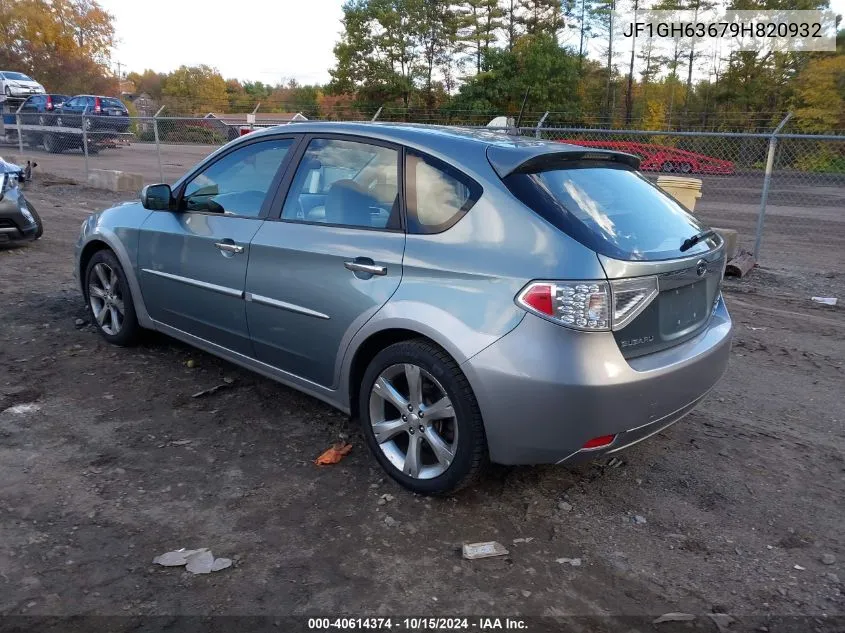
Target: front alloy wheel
x=420 y=418
x=110 y=299
x=106 y=298
x=413 y=421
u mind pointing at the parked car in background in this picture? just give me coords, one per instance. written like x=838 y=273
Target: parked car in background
x=662 y=158
x=102 y=114
x=15 y=84
x=19 y=221
x=468 y=296
x=41 y=109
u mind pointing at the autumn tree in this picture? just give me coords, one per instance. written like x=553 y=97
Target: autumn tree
x=64 y=44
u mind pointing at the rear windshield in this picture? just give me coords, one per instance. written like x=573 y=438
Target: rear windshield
x=107 y=102
x=611 y=209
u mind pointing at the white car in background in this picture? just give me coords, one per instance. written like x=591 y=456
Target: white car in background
x=15 y=84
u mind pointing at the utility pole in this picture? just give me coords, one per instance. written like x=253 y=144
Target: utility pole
x=119 y=65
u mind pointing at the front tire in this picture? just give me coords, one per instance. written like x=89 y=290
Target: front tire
x=421 y=420
x=109 y=299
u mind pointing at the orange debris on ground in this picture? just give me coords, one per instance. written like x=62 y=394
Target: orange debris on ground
x=333 y=455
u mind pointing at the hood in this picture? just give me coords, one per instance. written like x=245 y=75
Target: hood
x=9 y=168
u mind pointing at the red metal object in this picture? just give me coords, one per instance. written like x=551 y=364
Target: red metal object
x=663 y=158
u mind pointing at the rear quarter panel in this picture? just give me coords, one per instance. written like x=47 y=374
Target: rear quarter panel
x=458 y=287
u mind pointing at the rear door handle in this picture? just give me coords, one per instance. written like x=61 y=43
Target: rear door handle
x=229 y=248
x=366 y=266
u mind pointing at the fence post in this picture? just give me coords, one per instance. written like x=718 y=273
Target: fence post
x=767 y=179
x=158 y=146
x=540 y=124
x=20 y=132
x=85 y=144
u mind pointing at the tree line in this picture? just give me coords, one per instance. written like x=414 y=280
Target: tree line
x=484 y=56
x=466 y=62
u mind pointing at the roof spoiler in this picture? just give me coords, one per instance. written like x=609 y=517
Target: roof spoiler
x=532 y=158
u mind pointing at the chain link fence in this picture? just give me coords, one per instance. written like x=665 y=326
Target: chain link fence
x=782 y=185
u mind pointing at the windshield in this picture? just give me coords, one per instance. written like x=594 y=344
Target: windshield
x=16 y=76
x=610 y=209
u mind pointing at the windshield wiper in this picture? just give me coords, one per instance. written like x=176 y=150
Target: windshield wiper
x=695 y=239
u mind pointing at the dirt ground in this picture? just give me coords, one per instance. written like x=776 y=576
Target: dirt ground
x=738 y=509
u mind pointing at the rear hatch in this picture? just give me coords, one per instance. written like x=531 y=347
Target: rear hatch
x=113 y=107
x=663 y=290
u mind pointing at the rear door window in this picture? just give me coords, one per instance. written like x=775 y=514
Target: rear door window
x=611 y=209
x=438 y=194
x=106 y=102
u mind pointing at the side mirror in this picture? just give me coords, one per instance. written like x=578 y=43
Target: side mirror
x=157 y=197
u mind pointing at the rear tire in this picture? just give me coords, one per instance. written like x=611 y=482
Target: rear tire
x=667 y=167
x=51 y=144
x=106 y=292
x=449 y=446
x=685 y=168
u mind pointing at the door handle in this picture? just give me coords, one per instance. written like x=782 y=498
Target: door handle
x=229 y=248
x=357 y=266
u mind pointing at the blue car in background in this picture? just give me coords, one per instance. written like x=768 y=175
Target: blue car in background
x=102 y=114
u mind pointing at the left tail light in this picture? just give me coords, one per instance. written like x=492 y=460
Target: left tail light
x=49 y=102
x=591 y=306
x=97 y=106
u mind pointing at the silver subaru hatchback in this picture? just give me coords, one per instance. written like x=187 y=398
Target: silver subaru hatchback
x=471 y=297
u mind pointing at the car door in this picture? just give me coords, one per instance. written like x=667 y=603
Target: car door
x=193 y=261
x=332 y=258
x=71 y=112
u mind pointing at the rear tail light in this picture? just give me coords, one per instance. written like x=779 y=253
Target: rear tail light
x=599 y=442
x=591 y=306
x=97 y=106
x=630 y=297
x=49 y=103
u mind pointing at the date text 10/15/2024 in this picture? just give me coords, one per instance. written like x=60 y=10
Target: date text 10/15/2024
x=481 y=624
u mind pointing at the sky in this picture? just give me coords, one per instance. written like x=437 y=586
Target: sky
x=257 y=40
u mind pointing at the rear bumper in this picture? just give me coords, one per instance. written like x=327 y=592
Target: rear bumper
x=545 y=390
x=109 y=124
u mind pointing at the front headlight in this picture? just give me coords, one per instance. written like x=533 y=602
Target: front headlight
x=26 y=213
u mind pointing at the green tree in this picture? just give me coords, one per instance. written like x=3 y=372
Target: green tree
x=478 y=23
x=194 y=90
x=541 y=16
x=536 y=63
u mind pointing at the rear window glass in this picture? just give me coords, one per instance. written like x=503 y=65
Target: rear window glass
x=111 y=103
x=610 y=209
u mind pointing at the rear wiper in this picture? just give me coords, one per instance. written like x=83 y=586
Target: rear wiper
x=695 y=239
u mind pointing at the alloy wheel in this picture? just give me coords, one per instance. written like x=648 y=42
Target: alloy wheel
x=106 y=298
x=59 y=122
x=413 y=421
